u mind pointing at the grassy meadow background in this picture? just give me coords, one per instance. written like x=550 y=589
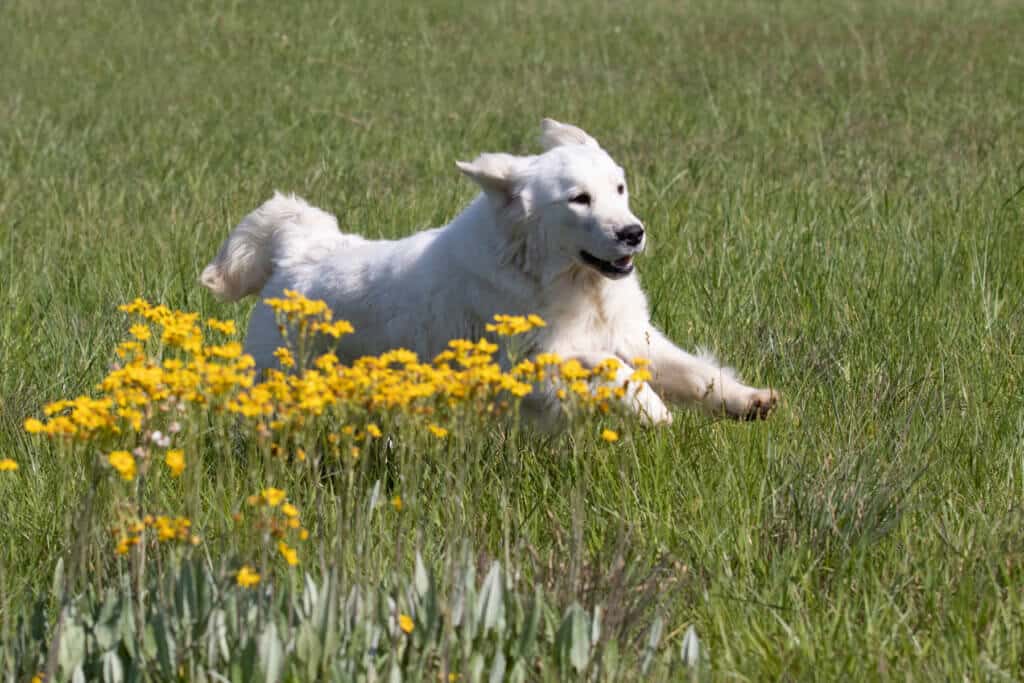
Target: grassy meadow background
x=835 y=199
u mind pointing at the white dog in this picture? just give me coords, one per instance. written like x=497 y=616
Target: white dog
x=550 y=234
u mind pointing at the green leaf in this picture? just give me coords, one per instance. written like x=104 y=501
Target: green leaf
x=395 y=674
x=217 y=639
x=491 y=606
x=107 y=628
x=572 y=643
x=528 y=636
x=182 y=590
x=579 y=654
x=476 y=668
x=57 y=587
x=165 y=646
x=330 y=636
x=309 y=595
x=595 y=626
x=246 y=658
x=610 y=661
x=71 y=651
x=689 y=650
x=307 y=649
x=422 y=579
x=498 y=668
x=113 y=670
x=653 y=638
x=518 y=674
x=271 y=654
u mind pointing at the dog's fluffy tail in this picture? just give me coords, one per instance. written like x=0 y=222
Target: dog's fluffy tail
x=246 y=259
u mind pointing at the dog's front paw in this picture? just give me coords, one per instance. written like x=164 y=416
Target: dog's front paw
x=652 y=409
x=752 y=404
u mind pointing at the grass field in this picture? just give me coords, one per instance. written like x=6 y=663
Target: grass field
x=835 y=198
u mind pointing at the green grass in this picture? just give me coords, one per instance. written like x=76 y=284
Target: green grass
x=835 y=198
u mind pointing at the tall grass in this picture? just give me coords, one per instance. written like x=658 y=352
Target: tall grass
x=834 y=199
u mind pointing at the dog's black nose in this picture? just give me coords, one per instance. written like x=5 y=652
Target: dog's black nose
x=631 y=234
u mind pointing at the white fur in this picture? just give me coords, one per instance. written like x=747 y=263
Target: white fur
x=515 y=249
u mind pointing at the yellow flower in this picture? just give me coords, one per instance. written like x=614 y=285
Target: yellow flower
x=175 y=461
x=289 y=510
x=609 y=436
x=284 y=357
x=124 y=463
x=222 y=326
x=273 y=496
x=640 y=375
x=405 y=623
x=246 y=577
x=335 y=329
x=289 y=554
x=303 y=535
x=140 y=332
x=373 y=430
x=397 y=503
x=168 y=529
x=227 y=351
x=8 y=465
x=34 y=426
x=439 y=432
x=510 y=325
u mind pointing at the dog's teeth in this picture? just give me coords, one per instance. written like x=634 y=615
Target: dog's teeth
x=623 y=262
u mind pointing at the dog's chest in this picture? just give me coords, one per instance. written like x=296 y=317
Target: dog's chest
x=593 y=319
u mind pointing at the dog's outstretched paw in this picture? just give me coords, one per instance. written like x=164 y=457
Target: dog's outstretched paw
x=759 y=405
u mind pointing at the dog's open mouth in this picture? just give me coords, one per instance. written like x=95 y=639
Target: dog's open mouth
x=613 y=269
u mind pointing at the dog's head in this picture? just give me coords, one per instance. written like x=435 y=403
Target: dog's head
x=566 y=207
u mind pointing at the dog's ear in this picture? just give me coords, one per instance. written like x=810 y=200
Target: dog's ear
x=554 y=134
x=496 y=174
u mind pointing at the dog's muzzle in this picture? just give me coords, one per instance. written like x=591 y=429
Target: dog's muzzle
x=620 y=267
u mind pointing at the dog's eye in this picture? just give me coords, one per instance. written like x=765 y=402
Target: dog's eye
x=581 y=198
x=621 y=188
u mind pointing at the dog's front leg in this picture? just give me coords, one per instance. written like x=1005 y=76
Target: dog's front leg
x=699 y=380
x=639 y=396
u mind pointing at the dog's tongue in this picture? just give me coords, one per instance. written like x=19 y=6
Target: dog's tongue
x=623 y=262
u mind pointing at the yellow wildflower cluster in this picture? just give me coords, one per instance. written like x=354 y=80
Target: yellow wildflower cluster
x=142 y=385
x=279 y=519
x=165 y=529
x=8 y=465
x=185 y=370
x=510 y=325
x=174 y=369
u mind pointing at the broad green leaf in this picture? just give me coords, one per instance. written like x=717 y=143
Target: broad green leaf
x=113 y=670
x=528 y=636
x=689 y=650
x=71 y=651
x=497 y=668
x=271 y=654
x=491 y=606
x=653 y=639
